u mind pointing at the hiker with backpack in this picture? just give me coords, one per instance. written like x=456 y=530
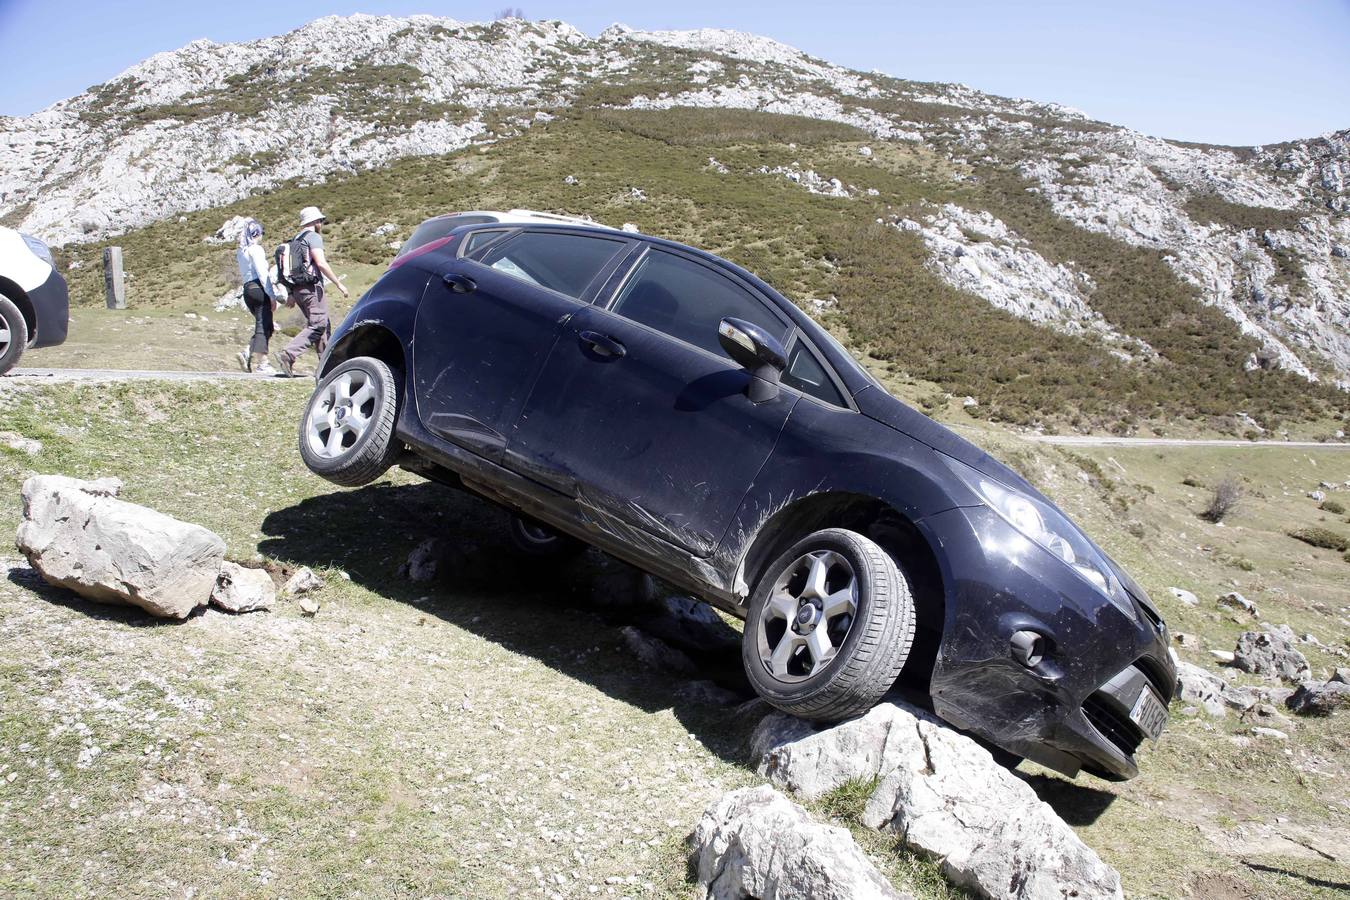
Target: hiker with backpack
x=302 y=268
x=260 y=296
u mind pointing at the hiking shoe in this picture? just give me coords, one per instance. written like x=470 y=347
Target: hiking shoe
x=245 y=361
x=283 y=364
x=265 y=368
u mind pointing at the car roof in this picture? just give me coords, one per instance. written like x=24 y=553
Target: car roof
x=524 y=217
x=850 y=370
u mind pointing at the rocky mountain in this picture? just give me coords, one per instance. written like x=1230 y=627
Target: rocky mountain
x=1260 y=234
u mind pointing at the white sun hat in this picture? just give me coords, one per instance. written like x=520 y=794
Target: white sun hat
x=309 y=215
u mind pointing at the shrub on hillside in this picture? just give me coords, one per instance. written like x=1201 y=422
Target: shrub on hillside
x=1321 y=537
x=1333 y=507
x=1226 y=495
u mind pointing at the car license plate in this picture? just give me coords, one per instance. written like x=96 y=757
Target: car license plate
x=1150 y=714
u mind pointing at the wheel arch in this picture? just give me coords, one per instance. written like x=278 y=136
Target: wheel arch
x=374 y=340
x=19 y=297
x=890 y=528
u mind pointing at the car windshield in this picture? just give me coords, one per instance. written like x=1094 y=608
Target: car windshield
x=437 y=228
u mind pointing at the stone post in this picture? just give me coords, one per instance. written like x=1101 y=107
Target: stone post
x=114 y=288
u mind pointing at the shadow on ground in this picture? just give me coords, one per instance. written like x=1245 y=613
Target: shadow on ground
x=1077 y=803
x=30 y=580
x=549 y=610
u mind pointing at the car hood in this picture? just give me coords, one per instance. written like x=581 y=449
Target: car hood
x=882 y=407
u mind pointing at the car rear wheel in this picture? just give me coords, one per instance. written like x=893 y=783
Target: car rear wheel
x=13 y=335
x=347 y=431
x=537 y=539
x=831 y=624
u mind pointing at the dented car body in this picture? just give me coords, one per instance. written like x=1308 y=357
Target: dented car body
x=577 y=377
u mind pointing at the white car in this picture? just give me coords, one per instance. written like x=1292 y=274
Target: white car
x=435 y=231
x=34 y=301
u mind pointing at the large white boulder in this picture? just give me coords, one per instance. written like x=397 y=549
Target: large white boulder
x=946 y=796
x=78 y=535
x=755 y=842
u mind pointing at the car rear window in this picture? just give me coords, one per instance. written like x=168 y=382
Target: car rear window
x=437 y=228
x=566 y=263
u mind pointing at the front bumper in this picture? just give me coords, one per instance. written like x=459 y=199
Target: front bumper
x=1070 y=710
x=51 y=311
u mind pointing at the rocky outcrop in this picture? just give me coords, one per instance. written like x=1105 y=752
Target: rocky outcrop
x=1313 y=699
x=80 y=536
x=1273 y=653
x=945 y=796
x=1210 y=692
x=755 y=843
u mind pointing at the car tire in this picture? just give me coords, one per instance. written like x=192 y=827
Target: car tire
x=347 y=430
x=13 y=335
x=846 y=654
x=542 y=542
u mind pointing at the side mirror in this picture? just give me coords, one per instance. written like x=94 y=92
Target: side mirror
x=758 y=351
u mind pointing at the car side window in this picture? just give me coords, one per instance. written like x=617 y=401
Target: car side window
x=687 y=300
x=566 y=263
x=479 y=239
x=805 y=373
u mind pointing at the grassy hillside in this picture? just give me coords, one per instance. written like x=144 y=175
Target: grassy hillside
x=890 y=308
x=488 y=734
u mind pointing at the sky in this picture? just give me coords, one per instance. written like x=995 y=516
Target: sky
x=1237 y=72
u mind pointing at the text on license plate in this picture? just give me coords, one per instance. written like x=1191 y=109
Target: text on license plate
x=1150 y=714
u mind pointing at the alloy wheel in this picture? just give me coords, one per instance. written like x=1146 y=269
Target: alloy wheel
x=808 y=616
x=342 y=414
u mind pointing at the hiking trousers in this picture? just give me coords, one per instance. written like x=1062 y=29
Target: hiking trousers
x=256 y=299
x=314 y=307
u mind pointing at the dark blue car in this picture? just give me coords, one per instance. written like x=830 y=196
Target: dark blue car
x=668 y=407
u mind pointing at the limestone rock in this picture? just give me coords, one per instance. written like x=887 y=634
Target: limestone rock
x=302 y=582
x=656 y=653
x=78 y=535
x=756 y=843
x=422 y=562
x=240 y=590
x=946 y=796
x=1234 y=600
x=1185 y=596
x=18 y=442
x=1313 y=699
x=1272 y=653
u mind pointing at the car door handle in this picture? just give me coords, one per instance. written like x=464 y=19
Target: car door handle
x=603 y=344
x=460 y=284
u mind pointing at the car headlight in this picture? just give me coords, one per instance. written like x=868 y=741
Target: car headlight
x=40 y=250
x=1051 y=529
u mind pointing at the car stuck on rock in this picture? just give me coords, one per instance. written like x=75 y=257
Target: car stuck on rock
x=670 y=408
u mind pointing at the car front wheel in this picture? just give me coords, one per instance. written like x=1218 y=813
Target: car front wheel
x=831 y=624
x=13 y=335
x=347 y=431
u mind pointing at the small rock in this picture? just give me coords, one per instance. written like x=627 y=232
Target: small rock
x=1223 y=657
x=864 y=151
x=422 y=562
x=1317 y=496
x=302 y=582
x=1313 y=699
x=1275 y=733
x=1341 y=676
x=1184 y=596
x=309 y=605
x=656 y=653
x=1234 y=600
x=1195 y=685
x=19 y=442
x=1187 y=641
x=241 y=590
x=1272 y=653
x=629 y=227
x=571 y=179
x=970 y=402
x=756 y=843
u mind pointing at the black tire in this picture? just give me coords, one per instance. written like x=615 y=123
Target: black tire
x=541 y=541
x=872 y=643
x=355 y=457
x=11 y=347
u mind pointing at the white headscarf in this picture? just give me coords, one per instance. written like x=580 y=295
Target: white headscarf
x=250 y=230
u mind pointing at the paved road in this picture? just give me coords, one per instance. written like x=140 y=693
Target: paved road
x=1079 y=440
x=52 y=376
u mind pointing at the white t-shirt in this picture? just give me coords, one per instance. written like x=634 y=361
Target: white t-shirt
x=253 y=267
